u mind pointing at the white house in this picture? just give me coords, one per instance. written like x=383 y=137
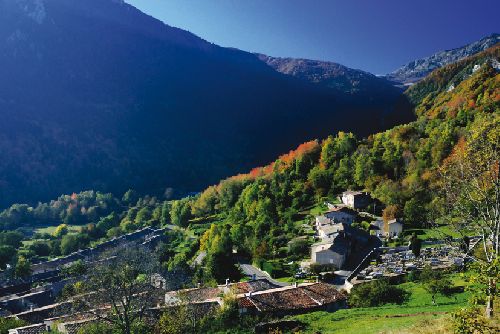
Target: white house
x=356 y=199
x=334 y=252
x=394 y=228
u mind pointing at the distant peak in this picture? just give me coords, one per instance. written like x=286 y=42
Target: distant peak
x=419 y=68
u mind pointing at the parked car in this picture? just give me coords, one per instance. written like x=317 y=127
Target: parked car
x=300 y=274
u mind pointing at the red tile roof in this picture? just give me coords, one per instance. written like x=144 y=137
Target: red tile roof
x=300 y=298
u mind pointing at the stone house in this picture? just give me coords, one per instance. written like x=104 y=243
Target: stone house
x=394 y=228
x=341 y=214
x=293 y=300
x=334 y=252
x=356 y=199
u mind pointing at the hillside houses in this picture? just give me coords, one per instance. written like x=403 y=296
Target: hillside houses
x=337 y=237
x=336 y=248
x=262 y=296
x=23 y=301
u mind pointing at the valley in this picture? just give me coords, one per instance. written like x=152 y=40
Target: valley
x=152 y=182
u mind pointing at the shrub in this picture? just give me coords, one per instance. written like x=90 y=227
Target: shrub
x=298 y=248
x=377 y=293
x=471 y=321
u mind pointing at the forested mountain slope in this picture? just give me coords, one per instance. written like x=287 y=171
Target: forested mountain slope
x=257 y=212
x=333 y=75
x=95 y=94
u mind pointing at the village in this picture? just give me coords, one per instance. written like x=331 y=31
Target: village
x=352 y=255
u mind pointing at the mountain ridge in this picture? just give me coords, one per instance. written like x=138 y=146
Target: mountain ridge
x=417 y=69
x=330 y=74
x=96 y=92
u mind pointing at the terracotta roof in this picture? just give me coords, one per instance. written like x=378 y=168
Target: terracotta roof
x=324 y=293
x=252 y=286
x=198 y=295
x=293 y=298
x=245 y=302
x=194 y=295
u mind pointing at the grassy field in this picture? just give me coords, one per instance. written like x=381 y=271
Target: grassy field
x=51 y=229
x=439 y=232
x=386 y=319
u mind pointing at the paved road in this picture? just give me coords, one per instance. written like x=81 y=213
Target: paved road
x=251 y=270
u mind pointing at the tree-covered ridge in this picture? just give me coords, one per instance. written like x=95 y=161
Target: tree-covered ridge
x=398 y=166
x=443 y=78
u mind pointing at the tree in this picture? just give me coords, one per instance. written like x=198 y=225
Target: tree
x=40 y=248
x=376 y=293
x=6 y=254
x=130 y=197
x=60 y=231
x=143 y=215
x=180 y=213
x=123 y=283
x=205 y=204
x=298 y=248
x=435 y=283
x=77 y=268
x=72 y=242
x=184 y=318
x=413 y=211
x=11 y=238
x=23 y=267
x=415 y=245
x=470 y=180
x=10 y=323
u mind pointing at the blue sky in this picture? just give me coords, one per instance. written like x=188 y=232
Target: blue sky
x=373 y=35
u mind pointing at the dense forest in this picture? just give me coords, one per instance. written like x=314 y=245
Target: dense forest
x=256 y=213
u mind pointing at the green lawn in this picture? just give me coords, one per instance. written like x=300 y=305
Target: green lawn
x=390 y=318
x=439 y=232
x=51 y=229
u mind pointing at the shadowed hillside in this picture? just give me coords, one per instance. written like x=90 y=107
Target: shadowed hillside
x=96 y=94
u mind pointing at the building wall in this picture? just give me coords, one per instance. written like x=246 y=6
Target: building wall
x=395 y=229
x=329 y=257
x=340 y=217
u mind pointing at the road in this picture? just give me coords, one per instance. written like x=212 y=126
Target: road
x=250 y=270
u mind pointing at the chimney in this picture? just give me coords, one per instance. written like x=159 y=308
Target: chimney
x=227 y=282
